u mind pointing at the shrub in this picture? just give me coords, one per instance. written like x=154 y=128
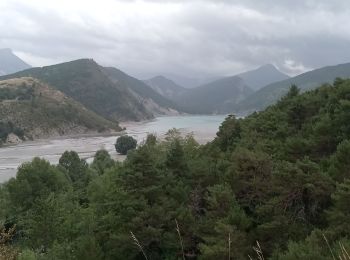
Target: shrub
x=124 y=144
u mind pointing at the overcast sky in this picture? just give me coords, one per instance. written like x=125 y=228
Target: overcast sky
x=199 y=38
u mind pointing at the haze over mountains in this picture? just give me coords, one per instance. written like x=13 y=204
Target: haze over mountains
x=219 y=96
x=306 y=81
x=10 y=63
x=113 y=96
x=164 y=86
x=255 y=90
x=188 y=81
x=262 y=76
x=116 y=96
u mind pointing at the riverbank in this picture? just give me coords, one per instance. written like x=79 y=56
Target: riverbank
x=204 y=129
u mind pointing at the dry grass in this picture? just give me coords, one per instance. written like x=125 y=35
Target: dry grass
x=258 y=251
x=137 y=243
x=344 y=255
x=180 y=239
x=6 y=251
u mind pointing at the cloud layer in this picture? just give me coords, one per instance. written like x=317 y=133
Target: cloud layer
x=194 y=38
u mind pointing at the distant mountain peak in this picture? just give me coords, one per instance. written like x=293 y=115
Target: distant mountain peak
x=305 y=81
x=216 y=97
x=164 y=86
x=267 y=66
x=10 y=63
x=262 y=76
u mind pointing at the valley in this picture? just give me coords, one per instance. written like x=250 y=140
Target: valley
x=246 y=154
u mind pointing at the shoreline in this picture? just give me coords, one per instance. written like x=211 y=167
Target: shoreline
x=63 y=137
x=203 y=128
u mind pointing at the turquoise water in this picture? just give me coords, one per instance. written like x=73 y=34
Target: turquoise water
x=204 y=129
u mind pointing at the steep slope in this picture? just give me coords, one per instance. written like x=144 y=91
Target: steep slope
x=153 y=101
x=84 y=81
x=219 y=96
x=164 y=86
x=306 y=81
x=32 y=109
x=10 y=63
x=262 y=76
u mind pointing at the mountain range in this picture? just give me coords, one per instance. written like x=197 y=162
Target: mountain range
x=219 y=96
x=306 y=81
x=262 y=76
x=116 y=96
x=108 y=92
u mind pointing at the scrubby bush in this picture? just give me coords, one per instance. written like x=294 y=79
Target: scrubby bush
x=124 y=144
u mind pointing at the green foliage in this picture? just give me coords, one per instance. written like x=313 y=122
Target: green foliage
x=35 y=180
x=271 y=93
x=22 y=93
x=101 y=90
x=339 y=214
x=102 y=162
x=27 y=255
x=280 y=177
x=42 y=109
x=339 y=163
x=124 y=144
x=229 y=133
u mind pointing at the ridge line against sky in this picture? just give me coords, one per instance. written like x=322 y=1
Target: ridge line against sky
x=199 y=38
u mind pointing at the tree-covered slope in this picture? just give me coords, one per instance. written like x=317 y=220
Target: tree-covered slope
x=219 y=96
x=277 y=181
x=32 y=109
x=306 y=81
x=152 y=99
x=85 y=81
x=10 y=63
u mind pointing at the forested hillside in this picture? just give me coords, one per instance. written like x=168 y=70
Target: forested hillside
x=151 y=100
x=218 y=97
x=86 y=82
x=279 y=177
x=30 y=109
x=271 y=93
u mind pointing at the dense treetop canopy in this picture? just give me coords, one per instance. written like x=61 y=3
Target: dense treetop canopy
x=280 y=177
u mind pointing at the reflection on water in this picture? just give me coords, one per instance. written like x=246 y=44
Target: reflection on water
x=204 y=129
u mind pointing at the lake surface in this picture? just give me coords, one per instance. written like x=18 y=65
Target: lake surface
x=204 y=129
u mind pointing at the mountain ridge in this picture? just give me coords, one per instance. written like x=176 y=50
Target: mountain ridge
x=87 y=82
x=164 y=86
x=262 y=76
x=214 y=98
x=306 y=81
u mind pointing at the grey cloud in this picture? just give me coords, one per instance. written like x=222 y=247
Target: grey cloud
x=199 y=38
